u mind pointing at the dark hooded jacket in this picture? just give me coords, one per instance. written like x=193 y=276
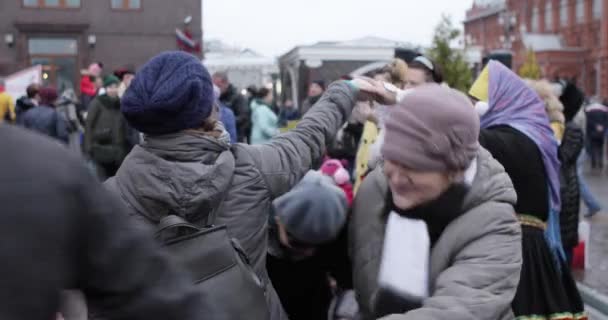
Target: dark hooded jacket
x=61 y=230
x=46 y=120
x=108 y=138
x=22 y=106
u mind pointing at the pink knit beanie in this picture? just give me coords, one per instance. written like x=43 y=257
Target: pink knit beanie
x=434 y=128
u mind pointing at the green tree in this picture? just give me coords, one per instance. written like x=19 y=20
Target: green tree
x=456 y=71
x=530 y=69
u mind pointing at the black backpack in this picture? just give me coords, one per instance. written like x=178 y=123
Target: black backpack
x=219 y=266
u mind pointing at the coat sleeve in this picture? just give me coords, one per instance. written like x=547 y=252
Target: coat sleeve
x=285 y=160
x=484 y=275
x=121 y=269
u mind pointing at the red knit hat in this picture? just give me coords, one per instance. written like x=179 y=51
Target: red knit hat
x=48 y=96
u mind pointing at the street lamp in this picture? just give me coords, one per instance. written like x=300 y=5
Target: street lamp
x=92 y=40
x=9 y=39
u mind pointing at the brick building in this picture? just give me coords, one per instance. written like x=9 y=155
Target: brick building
x=569 y=37
x=66 y=35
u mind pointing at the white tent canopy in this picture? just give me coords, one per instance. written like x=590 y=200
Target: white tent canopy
x=244 y=67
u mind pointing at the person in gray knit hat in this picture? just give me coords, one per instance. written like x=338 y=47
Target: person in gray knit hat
x=313 y=212
x=433 y=234
x=307 y=242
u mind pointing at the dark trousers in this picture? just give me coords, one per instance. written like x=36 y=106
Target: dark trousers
x=597 y=153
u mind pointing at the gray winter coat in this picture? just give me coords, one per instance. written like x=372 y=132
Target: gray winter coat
x=475 y=264
x=186 y=174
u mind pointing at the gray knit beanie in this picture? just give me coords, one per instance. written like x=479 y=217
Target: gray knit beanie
x=314 y=211
x=434 y=128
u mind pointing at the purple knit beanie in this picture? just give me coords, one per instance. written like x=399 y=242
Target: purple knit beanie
x=171 y=93
x=434 y=128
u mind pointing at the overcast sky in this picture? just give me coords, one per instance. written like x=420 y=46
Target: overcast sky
x=273 y=27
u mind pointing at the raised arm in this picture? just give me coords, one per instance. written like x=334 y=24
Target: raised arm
x=289 y=156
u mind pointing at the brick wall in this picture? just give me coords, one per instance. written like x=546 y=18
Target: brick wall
x=588 y=64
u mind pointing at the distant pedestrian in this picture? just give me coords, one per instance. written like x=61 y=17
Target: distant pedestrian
x=233 y=99
x=251 y=93
x=125 y=75
x=27 y=102
x=108 y=138
x=265 y=123
x=7 y=106
x=67 y=106
x=315 y=91
x=288 y=112
x=89 y=84
x=589 y=199
x=226 y=116
x=46 y=119
x=597 y=126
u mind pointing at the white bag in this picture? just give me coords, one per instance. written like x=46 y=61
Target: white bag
x=584 y=236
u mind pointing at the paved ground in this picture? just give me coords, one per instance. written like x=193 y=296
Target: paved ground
x=597 y=276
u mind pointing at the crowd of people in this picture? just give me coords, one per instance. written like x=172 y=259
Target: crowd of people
x=395 y=197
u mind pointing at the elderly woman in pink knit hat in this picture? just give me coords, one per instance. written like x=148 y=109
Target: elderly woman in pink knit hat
x=433 y=233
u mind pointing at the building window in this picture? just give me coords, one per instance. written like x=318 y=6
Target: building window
x=52 y=46
x=549 y=16
x=535 y=20
x=51 y=3
x=563 y=13
x=126 y=4
x=580 y=11
x=597 y=9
